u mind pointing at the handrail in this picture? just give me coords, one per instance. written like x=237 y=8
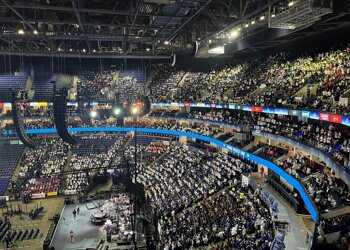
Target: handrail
x=343 y=172
x=291 y=180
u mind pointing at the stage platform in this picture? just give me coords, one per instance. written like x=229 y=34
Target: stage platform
x=87 y=236
x=81 y=226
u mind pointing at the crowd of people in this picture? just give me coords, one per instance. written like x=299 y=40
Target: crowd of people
x=300 y=166
x=315 y=82
x=95 y=85
x=127 y=89
x=198 y=198
x=93 y=153
x=330 y=138
x=165 y=80
x=327 y=190
x=41 y=168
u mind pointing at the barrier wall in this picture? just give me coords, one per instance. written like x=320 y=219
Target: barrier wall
x=291 y=180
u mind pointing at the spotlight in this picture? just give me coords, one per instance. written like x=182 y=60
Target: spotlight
x=273 y=15
x=166 y=42
x=253 y=22
x=147 y=49
x=262 y=18
x=94 y=51
x=20 y=32
x=70 y=50
x=290 y=4
x=35 y=32
x=234 y=34
x=59 y=49
x=134 y=110
x=117 y=111
x=246 y=25
x=93 y=113
x=209 y=41
x=84 y=50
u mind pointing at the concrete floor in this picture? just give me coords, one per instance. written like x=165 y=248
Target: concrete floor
x=51 y=206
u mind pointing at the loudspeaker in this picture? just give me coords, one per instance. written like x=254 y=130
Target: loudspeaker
x=147 y=105
x=18 y=123
x=120 y=121
x=59 y=112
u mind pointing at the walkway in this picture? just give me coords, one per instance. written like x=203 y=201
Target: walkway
x=296 y=236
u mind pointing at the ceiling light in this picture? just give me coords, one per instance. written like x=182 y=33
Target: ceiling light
x=59 y=49
x=253 y=22
x=239 y=29
x=273 y=15
x=262 y=18
x=93 y=113
x=166 y=42
x=70 y=50
x=84 y=50
x=20 y=32
x=35 y=32
x=234 y=34
x=49 y=49
x=94 y=51
x=134 y=110
x=147 y=49
x=246 y=25
x=209 y=41
x=117 y=111
x=290 y=4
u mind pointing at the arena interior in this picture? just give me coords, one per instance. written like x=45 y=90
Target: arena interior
x=174 y=124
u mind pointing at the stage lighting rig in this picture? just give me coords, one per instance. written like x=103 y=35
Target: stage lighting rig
x=299 y=14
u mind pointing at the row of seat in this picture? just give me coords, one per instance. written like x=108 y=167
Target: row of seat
x=20 y=235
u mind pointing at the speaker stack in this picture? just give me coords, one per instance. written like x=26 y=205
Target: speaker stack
x=18 y=123
x=59 y=109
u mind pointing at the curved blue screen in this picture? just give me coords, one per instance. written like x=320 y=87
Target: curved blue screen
x=291 y=180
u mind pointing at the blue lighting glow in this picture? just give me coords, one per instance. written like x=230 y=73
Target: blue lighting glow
x=291 y=180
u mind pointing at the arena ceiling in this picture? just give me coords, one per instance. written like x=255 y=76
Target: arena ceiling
x=119 y=28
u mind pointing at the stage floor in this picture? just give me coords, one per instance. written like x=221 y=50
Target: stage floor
x=81 y=226
x=86 y=234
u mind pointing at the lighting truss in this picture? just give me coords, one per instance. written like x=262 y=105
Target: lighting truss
x=301 y=13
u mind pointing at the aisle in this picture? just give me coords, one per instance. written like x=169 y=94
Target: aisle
x=296 y=236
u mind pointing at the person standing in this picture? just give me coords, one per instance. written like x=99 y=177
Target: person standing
x=74 y=213
x=71 y=236
x=78 y=209
x=8 y=241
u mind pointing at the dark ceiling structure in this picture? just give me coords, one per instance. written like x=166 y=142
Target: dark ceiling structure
x=140 y=28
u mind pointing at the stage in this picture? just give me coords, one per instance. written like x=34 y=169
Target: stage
x=86 y=235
